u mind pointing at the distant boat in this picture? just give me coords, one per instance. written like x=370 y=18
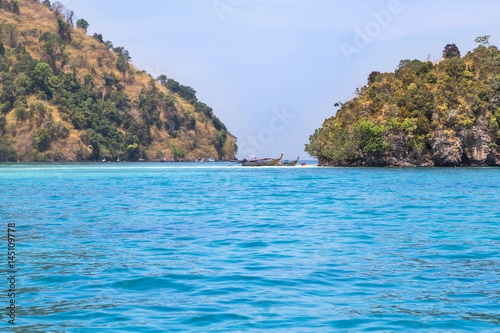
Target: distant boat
x=198 y=160
x=262 y=162
x=210 y=159
x=290 y=163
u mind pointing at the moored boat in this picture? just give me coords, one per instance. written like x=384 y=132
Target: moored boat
x=262 y=162
x=290 y=163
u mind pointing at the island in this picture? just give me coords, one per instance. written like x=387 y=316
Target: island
x=424 y=114
x=67 y=96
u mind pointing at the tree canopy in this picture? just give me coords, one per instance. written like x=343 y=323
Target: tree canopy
x=68 y=96
x=420 y=114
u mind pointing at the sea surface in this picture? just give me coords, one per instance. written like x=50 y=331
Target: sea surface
x=186 y=247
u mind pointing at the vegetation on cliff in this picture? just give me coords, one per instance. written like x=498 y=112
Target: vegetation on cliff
x=423 y=114
x=66 y=96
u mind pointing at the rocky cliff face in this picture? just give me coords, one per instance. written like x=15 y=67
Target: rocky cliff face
x=446 y=151
x=470 y=147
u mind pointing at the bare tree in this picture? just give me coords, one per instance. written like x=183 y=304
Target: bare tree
x=69 y=16
x=57 y=8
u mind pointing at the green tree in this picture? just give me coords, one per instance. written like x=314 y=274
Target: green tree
x=47 y=4
x=373 y=77
x=64 y=29
x=220 y=139
x=78 y=121
x=451 y=51
x=187 y=92
x=40 y=77
x=370 y=138
x=83 y=24
x=178 y=153
x=43 y=140
x=7 y=152
x=3 y=122
x=133 y=152
x=122 y=62
x=98 y=37
x=53 y=48
x=483 y=40
x=173 y=85
x=218 y=124
x=162 y=79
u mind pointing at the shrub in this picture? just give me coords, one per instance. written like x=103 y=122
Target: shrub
x=3 y=122
x=64 y=30
x=7 y=152
x=178 y=153
x=20 y=113
x=42 y=141
x=370 y=137
x=78 y=121
x=6 y=107
x=58 y=156
x=64 y=133
x=133 y=152
x=431 y=77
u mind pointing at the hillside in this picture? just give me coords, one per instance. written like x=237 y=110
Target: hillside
x=423 y=114
x=66 y=96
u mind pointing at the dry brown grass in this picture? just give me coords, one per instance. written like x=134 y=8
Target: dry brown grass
x=84 y=52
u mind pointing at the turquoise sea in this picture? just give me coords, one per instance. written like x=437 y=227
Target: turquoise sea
x=186 y=247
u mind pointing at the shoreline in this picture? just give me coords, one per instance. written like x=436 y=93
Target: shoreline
x=381 y=163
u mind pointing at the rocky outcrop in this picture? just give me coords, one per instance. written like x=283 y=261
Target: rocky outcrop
x=446 y=150
x=470 y=147
x=476 y=146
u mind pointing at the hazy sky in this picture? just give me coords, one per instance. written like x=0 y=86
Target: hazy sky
x=272 y=70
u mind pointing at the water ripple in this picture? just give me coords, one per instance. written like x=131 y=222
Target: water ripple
x=190 y=248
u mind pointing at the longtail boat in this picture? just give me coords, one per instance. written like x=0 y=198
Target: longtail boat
x=290 y=163
x=262 y=162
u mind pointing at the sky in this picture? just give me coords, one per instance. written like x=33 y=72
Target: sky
x=272 y=70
